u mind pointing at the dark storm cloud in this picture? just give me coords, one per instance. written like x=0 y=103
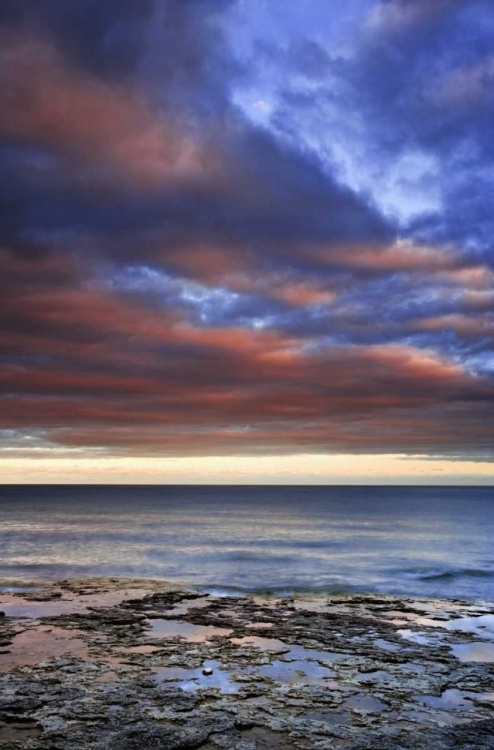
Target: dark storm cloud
x=181 y=280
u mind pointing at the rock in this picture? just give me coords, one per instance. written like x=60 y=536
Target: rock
x=315 y=677
x=148 y=736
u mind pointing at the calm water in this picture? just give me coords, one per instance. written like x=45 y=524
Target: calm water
x=420 y=541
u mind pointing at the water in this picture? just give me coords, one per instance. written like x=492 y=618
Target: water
x=417 y=541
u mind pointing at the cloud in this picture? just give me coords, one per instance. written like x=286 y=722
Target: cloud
x=403 y=110
x=389 y=17
x=47 y=103
x=89 y=367
x=159 y=122
x=187 y=279
x=463 y=325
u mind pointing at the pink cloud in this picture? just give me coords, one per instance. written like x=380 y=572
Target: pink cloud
x=42 y=98
x=463 y=325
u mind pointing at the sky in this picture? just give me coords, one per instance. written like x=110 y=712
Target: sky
x=247 y=241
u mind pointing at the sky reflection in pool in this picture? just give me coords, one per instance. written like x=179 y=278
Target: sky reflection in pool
x=192 y=680
x=161 y=628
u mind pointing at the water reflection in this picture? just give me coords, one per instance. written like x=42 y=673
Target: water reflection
x=178 y=629
x=474 y=652
x=295 y=672
x=192 y=680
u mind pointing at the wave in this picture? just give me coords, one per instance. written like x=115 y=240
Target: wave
x=57 y=568
x=286 y=589
x=435 y=574
x=18 y=585
x=219 y=556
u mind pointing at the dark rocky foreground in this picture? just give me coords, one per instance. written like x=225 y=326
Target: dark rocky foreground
x=118 y=665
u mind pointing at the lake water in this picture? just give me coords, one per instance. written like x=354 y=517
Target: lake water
x=419 y=541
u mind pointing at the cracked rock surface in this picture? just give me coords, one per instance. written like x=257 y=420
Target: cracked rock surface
x=118 y=664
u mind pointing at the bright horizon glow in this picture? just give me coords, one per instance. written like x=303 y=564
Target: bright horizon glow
x=277 y=470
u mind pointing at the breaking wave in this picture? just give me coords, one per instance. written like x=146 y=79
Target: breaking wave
x=448 y=574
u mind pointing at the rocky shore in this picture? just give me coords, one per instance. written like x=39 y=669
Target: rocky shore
x=115 y=664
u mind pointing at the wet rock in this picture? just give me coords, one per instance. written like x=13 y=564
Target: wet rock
x=43 y=595
x=18 y=705
x=148 y=737
x=182 y=702
x=305 y=674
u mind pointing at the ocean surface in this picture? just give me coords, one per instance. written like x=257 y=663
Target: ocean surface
x=436 y=542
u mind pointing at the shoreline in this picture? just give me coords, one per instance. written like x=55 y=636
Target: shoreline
x=117 y=664
x=18 y=587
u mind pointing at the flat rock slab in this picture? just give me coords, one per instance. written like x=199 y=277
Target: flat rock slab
x=123 y=664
